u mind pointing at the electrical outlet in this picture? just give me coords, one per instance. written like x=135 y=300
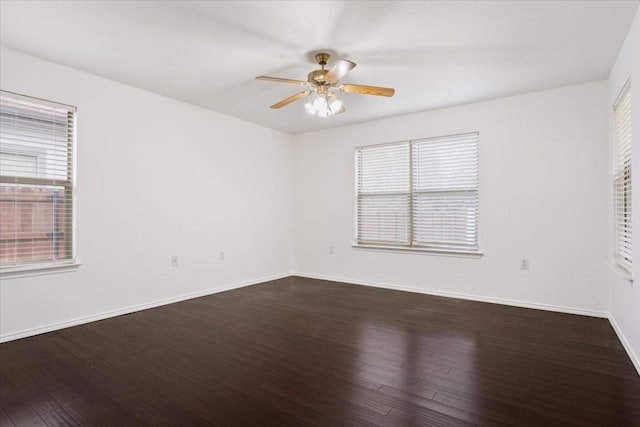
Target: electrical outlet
x=221 y=255
x=174 y=261
x=330 y=250
x=524 y=264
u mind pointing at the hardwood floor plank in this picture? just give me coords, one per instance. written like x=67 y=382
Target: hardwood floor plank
x=59 y=418
x=5 y=421
x=17 y=410
x=306 y=352
x=398 y=417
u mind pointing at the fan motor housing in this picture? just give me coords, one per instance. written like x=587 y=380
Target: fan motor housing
x=317 y=77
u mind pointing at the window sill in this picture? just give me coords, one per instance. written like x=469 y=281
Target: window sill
x=622 y=272
x=38 y=270
x=425 y=251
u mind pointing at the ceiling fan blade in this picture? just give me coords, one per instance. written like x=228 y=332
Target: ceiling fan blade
x=281 y=80
x=367 y=90
x=339 y=70
x=291 y=99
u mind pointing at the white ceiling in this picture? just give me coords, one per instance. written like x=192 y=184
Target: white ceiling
x=435 y=54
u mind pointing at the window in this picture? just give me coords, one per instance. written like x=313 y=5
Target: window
x=622 y=179
x=420 y=194
x=36 y=182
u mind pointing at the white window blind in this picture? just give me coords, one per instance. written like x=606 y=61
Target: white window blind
x=622 y=179
x=384 y=194
x=445 y=192
x=36 y=181
x=419 y=194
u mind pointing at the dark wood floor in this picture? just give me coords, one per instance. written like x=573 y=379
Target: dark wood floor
x=302 y=352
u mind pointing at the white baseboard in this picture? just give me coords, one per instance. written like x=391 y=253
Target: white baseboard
x=537 y=306
x=632 y=355
x=105 y=315
x=131 y=309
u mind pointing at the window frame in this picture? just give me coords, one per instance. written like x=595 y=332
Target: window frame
x=411 y=246
x=69 y=262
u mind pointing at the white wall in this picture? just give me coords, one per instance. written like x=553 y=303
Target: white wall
x=625 y=295
x=543 y=196
x=179 y=171
x=156 y=178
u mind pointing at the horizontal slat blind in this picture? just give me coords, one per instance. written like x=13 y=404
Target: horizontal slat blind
x=445 y=192
x=421 y=193
x=36 y=182
x=383 y=184
x=622 y=179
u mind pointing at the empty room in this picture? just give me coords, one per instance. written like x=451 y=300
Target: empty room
x=319 y=213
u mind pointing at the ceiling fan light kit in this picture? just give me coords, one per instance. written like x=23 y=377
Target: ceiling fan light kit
x=325 y=106
x=324 y=83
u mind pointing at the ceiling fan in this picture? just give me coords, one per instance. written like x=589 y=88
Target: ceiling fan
x=324 y=83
